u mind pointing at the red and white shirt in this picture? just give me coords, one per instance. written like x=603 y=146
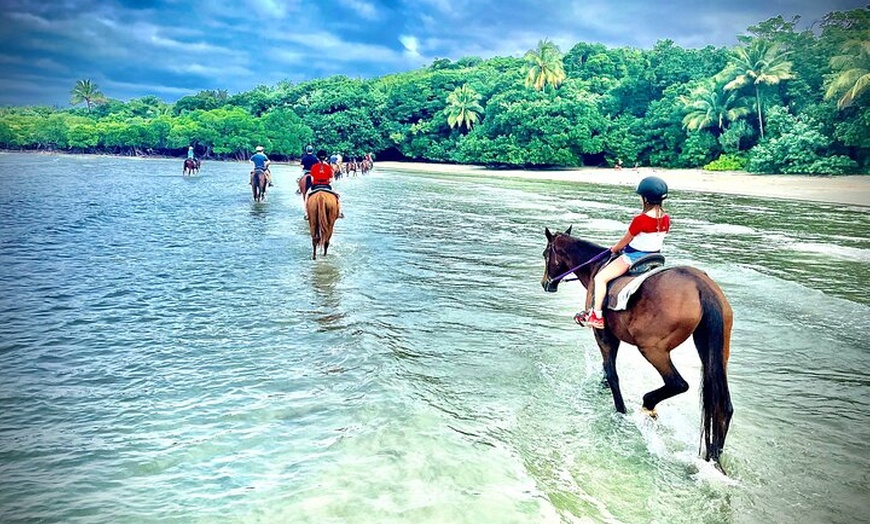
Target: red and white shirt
x=649 y=232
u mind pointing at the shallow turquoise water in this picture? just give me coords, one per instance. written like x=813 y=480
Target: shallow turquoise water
x=169 y=352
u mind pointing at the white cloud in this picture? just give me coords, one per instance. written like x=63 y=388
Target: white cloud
x=9 y=59
x=364 y=9
x=51 y=65
x=412 y=45
x=325 y=46
x=148 y=88
x=30 y=20
x=219 y=70
x=444 y=6
x=273 y=8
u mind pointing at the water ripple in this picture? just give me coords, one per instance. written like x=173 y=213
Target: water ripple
x=171 y=353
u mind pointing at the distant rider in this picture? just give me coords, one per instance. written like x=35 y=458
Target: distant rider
x=261 y=162
x=307 y=161
x=321 y=178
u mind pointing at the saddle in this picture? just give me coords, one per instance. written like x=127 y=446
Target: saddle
x=323 y=189
x=620 y=289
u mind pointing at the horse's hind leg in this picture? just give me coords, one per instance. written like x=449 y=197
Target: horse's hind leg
x=674 y=382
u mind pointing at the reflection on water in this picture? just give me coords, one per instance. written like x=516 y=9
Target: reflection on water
x=325 y=278
x=168 y=344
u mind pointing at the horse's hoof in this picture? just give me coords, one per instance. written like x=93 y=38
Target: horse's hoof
x=651 y=413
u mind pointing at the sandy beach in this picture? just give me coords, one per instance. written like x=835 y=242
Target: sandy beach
x=848 y=190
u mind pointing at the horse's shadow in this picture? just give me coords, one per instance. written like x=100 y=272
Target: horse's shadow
x=257 y=211
x=325 y=278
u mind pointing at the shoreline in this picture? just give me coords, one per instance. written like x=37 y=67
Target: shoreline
x=833 y=189
x=837 y=189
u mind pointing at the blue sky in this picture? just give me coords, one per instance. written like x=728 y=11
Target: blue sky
x=173 y=48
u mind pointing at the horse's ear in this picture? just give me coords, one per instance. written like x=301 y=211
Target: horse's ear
x=568 y=231
x=549 y=235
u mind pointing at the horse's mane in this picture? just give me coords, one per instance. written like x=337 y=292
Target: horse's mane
x=579 y=248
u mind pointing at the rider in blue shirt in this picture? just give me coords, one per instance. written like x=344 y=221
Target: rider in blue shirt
x=308 y=160
x=261 y=162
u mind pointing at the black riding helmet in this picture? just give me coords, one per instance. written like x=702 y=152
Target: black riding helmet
x=653 y=189
x=309 y=150
x=322 y=154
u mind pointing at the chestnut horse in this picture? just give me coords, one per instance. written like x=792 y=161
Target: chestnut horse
x=322 y=208
x=191 y=167
x=258 y=185
x=669 y=307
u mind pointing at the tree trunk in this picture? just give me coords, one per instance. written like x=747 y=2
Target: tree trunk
x=758 y=107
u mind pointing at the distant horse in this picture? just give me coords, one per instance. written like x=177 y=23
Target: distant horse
x=668 y=307
x=322 y=208
x=303 y=184
x=191 y=167
x=258 y=185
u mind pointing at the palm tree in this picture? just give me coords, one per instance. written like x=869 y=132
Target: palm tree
x=759 y=63
x=87 y=92
x=463 y=108
x=852 y=73
x=545 y=66
x=710 y=104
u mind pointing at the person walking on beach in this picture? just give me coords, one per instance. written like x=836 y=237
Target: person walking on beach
x=261 y=162
x=646 y=234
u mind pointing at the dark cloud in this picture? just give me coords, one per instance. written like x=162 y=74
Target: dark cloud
x=133 y=48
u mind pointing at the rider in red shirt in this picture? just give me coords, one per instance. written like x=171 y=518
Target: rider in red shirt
x=321 y=178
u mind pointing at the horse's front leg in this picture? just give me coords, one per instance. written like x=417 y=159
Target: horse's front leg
x=609 y=346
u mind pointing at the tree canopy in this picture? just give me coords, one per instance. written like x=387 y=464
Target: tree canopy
x=782 y=100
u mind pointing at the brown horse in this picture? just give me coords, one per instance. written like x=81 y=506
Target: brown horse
x=303 y=184
x=191 y=167
x=258 y=185
x=322 y=208
x=668 y=307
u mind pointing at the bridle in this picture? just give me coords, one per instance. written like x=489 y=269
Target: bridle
x=599 y=256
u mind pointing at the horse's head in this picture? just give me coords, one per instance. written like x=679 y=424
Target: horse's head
x=555 y=259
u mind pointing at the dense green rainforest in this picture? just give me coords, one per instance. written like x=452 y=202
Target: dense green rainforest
x=781 y=101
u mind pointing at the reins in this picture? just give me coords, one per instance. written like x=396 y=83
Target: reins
x=561 y=277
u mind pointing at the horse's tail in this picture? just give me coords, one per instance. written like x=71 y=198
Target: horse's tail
x=713 y=340
x=320 y=218
x=330 y=213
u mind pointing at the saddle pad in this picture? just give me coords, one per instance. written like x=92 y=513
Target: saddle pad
x=621 y=289
x=323 y=190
